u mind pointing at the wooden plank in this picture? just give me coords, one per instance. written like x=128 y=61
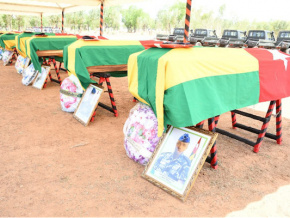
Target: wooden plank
x=107 y=68
x=47 y=53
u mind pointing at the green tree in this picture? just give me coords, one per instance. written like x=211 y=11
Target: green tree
x=112 y=17
x=1 y=22
x=222 y=9
x=71 y=20
x=34 y=21
x=7 y=19
x=54 y=20
x=170 y=17
x=279 y=25
x=163 y=20
x=92 y=19
x=177 y=12
x=130 y=18
x=80 y=18
x=144 y=21
x=19 y=22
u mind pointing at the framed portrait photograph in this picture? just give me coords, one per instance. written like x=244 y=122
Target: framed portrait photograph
x=41 y=77
x=178 y=158
x=88 y=104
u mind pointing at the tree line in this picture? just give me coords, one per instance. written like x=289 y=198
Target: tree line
x=135 y=19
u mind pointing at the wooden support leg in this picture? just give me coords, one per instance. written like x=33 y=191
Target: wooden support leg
x=112 y=97
x=216 y=120
x=213 y=151
x=56 y=70
x=234 y=120
x=264 y=127
x=200 y=124
x=279 y=121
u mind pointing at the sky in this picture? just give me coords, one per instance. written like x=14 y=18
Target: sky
x=259 y=10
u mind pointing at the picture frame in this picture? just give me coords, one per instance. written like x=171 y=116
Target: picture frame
x=41 y=77
x=176 y=161
x=7 y=57
x=88 y=104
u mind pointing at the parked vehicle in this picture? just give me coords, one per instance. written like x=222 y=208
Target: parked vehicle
x=283 y=41
x=260 y=39
x=177 y=36
x=233 y=38
x=204 y=37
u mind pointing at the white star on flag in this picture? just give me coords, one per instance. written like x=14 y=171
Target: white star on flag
x=280 y=56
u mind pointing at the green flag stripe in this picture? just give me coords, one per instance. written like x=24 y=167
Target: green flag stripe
x=4 y=37
x=147 y=74
x=30 y=35
x=110 y=55
x=81 y=71
x=226 y=93
x=86 y=56
x=65 y=56
x=46 y=44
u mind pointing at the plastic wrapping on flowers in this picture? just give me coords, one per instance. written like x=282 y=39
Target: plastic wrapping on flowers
x=140 y=132
x=1 y=53
x=6 y=57
x=21 y=63
x=29 y=75
x=70 y=92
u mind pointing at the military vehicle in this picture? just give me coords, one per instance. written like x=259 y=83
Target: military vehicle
x=260 y=39
x=233 y=38
x=283 y=41
x=177 y=36
x=204 y=37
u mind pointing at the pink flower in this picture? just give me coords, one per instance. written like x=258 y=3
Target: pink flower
x=70 y=101
x=69 y=86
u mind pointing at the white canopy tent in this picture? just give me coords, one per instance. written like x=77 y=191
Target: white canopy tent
x=40 y=7
x=37 y=7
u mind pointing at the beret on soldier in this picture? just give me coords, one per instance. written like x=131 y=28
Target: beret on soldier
x=184 y=138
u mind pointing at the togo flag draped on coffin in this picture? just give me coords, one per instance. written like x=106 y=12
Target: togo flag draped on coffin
x=7 y=41
x=35 y=44
x=85 y=53
x=187 y=85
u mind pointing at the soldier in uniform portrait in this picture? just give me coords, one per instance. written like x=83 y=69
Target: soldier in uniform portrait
x=174 y=166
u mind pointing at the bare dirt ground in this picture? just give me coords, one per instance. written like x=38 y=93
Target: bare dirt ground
x=44 y=171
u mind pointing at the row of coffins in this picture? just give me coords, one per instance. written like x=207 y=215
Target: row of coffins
x=70 y=95
x=170 y=98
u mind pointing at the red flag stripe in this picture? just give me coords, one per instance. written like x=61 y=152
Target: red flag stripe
x=274 y=78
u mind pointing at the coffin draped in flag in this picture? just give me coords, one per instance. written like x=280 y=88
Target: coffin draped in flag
x=40 y=43
x=187 y=85
x=7 y=41
x=21 y=38
x=85 y=53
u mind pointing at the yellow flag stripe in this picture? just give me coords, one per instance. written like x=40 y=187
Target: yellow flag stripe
x=33 y=37
x=22 y=46
x=9 y=44
x=205 y=62
x=28 y=46
x=80 y=43
x=160 y=87
x=133 y=76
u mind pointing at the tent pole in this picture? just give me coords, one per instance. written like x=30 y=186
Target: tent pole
x=187 y=20
x=41 y=26
x=62 y=21
x=101 y=19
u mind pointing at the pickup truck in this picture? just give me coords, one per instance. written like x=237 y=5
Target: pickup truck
x=260 y=39
x=233 y=38
x=177 y=36
x=283 y=41
x=204 y=37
